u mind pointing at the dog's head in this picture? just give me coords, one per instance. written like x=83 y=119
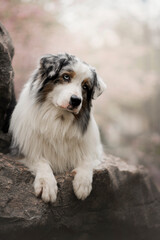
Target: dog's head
x=67 y=82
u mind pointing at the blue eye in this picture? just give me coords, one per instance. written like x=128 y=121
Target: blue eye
x=66 y=77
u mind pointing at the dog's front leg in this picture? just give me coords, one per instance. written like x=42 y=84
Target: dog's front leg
x=82 y=183
x=45 y=184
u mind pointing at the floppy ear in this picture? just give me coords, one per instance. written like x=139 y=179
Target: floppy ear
x=46 y=60
x=49 y=67
x=99 y=87
x=50 y=64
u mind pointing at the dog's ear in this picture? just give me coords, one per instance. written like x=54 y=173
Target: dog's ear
x=51 y=64
x=99 y=86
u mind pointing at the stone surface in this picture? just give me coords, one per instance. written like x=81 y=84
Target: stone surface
x=6 y=40
x=7 y=96
x=124 y=204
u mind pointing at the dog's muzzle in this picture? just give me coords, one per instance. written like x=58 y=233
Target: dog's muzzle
x=75 y=101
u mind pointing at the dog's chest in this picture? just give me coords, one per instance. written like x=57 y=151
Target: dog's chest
x=63 y=144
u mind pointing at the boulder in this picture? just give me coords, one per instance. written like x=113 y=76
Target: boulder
x=124 y=204
x=7 y=95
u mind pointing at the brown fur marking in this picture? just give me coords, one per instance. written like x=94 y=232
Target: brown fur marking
x=48 y=88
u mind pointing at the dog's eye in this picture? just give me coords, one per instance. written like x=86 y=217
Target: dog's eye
x=85 y=86
x=66 y=77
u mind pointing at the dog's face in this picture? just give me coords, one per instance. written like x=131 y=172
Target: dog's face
x=67 y=82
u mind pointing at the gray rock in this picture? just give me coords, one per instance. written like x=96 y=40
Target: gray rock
x=6 y=40
x=124 y=204
x=7 y=95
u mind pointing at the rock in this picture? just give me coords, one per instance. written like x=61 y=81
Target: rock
x=7 y=95
x=124 y=204
x=6 y=40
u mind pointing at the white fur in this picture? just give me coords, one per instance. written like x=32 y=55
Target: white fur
x=53 y=146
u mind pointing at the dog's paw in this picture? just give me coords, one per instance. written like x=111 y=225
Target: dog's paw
x=46 y=187
x=82 y=184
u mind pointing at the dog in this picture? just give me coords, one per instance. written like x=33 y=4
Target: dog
x=53 y=125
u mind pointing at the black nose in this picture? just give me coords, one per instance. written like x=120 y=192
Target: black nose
x=75 y=101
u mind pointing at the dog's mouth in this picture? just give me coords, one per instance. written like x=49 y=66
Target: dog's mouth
x=71 y=109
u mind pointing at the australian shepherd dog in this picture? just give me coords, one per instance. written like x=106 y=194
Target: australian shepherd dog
x=53 y=125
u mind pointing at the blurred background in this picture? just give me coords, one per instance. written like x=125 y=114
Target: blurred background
x=122 y=40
